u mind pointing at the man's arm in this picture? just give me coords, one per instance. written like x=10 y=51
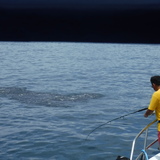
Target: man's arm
x=148 y=112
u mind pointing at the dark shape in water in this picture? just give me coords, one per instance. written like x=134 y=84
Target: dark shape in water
x=43 y=98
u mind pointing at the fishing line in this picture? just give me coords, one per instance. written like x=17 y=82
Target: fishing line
x=113 y=120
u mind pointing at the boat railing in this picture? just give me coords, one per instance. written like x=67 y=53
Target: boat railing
x=145 y=129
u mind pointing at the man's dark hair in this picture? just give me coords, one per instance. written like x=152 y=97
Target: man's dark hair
x=155 y=80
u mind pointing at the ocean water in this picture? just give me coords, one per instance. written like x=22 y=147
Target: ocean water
x=53 y=94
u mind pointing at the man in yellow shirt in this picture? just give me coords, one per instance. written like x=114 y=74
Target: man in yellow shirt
x=155 y=102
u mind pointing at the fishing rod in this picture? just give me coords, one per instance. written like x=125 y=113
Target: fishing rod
x=114 y=120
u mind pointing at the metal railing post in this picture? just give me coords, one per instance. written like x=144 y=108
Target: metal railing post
x=145 y=142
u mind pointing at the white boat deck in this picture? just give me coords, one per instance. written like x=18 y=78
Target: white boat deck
x=156 y=157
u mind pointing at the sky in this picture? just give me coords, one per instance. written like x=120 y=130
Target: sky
x=80 y=20
x=76 y=3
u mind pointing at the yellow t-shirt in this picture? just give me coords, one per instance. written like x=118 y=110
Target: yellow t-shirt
x=155 y=105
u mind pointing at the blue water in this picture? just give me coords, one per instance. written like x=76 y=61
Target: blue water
x=52 y=95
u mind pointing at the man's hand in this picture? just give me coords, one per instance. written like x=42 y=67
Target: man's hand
x=148 y=112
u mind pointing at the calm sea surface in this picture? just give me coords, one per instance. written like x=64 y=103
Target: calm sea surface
x=52 y=95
